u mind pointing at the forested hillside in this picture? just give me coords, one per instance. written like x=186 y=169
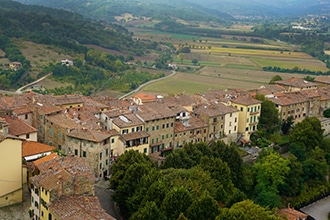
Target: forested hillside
x=106 y=10
x=69 y=32
x=60 y=27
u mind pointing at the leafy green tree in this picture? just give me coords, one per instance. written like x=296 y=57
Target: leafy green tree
x=326 y=113
x=176 y=201
x=247 y=210
x=287 y=125
x=315 y=166
x=275 y=78
x=271 y=171
x=124 y=161
x=149 y=211
x=308 y=133
x=204 y=207
x=269 y=116
x=230 y=155
x=294 y=179
x=194 y=61
x=309 y=78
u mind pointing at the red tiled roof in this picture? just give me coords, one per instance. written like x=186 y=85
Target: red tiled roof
x=44 y=159
x=145 y=97
x=78 y=207
x=32 y=148
x=18 y=127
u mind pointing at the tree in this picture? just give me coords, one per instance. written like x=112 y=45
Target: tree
x=180 y=57
x=326 y=113
x=309 y=78
x=308 y=133
x=274 y=79
x=293 y=181
x=205 y=207
x=176 y=201
x=287 y=125
x=271 y=170
x=149 y=211
x=194 y=61
x=269 y=116
x=247 y=210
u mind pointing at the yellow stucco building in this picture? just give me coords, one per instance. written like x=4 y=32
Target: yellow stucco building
x=11 y=190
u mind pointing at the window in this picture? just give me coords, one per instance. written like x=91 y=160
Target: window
x=162 y=137
x=214 y=120
x=106 y=162
x=59 y=136
x=241 y=109
x=26 y=116
x=235 y=119
x=51 y=132
x=147 y=129
x=248 y=109
x=84 y=142
x=84 y=153
x=35 y=203
x=27 y=136
x=100 y=165
x=153 y=128
x=247 y=128
x=167 y=125
x=59 y=147
x=125 y=131
x=145 y=150
x=163 y=126
x=157 y=127
x=40 y=129
x=235 y=128
x=106 y=152
x=166 y=135
x=112 y=140
x=172 y=124
x=133 y=129
x=75 y=152
x=231 y=114
x=101 y=156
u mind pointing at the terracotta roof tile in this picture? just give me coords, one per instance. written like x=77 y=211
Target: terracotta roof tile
x=22 y=110
x=91 y=135
x=33 y=148
x=135 y=135
x=78 y=207
x=214 y=109
x=18 y=127
x=44 y=159
x=154 y=110
x=296 y=82
x=194 y=123
x=68 y=99
x=127 y=120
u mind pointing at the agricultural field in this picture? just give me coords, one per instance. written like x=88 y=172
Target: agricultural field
x=228 y=63
x=3 y=60
x=41 y=55
x=212 y=78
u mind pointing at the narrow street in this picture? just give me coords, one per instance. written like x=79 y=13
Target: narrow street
x=104 y=194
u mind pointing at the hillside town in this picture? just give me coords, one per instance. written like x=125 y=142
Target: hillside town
x=60 y=146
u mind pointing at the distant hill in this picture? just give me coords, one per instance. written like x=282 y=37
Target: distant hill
x=189 y=9
x=60 y=27
x=267 y=8
x=106 y=10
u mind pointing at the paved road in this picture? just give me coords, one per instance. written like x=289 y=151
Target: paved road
x=106 y=200
x=147 y=83
x=19 y=91
x=319 y=209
